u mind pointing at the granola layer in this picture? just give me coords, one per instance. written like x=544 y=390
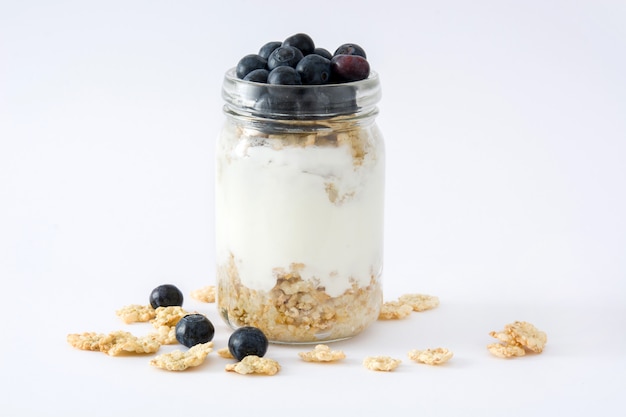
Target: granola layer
x=297 y=310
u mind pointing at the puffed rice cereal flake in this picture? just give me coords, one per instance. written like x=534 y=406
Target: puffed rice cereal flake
x=435 y=356
x=322 y=353
x=381 y=363
x=180 y=360
x=253 y=364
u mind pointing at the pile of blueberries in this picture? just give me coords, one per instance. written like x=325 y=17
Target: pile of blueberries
x=196 y=328
x=281 y=75
x=297 y=61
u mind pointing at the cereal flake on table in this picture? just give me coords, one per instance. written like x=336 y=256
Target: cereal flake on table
x=502 y=350
x=435 y=356
x=394 y=310
x=253 y=364
x=516 y=339
x=381 y=363
x=528 y=335
x=165 y=335
x=136 y=313
x=205 y=294
x=114 y=343
x=118 y=342
x=225 y=353
x=168 y=316
x=420 y=302
x=322 y=353
x=180 y=360
x=504 y=337
x=85 y=341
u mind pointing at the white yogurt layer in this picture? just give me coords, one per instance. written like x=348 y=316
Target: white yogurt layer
x=310 y=205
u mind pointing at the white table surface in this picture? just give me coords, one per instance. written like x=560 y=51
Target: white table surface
x=506 y=141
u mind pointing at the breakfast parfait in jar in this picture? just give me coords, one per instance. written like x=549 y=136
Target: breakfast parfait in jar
x=300 y=193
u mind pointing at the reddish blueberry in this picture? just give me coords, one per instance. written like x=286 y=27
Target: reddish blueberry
x=346 y=68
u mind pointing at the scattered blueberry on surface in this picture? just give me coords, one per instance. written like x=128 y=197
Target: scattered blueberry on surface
x=314 y=69
x=166 y=295
x=268 y=48
x=350 y=49
x=193 y=329
x=302 y=41
x=346 y=68
x=247 y=341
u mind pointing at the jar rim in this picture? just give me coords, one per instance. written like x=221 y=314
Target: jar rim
x=300 y=101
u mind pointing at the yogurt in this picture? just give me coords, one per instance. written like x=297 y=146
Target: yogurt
x=313 y=205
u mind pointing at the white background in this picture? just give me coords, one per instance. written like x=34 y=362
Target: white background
x=505 y=125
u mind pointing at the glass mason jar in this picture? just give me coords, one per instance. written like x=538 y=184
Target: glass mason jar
x=299 y=209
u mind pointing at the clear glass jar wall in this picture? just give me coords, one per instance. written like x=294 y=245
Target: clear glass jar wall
x=299 y=209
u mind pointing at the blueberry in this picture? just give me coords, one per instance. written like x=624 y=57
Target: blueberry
x=350 y=49
x=249 y=63
x=314 y=101
x=247 y=341
x=257 y=76
x=193 y=329
x=344 y=98
x=166 y=295
x=268 y=48
x=346 y=68
x=302 y=41
x=314 y=69
x=284 y=76
x=284 y=56
x=277 y=101
x=323 y=52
